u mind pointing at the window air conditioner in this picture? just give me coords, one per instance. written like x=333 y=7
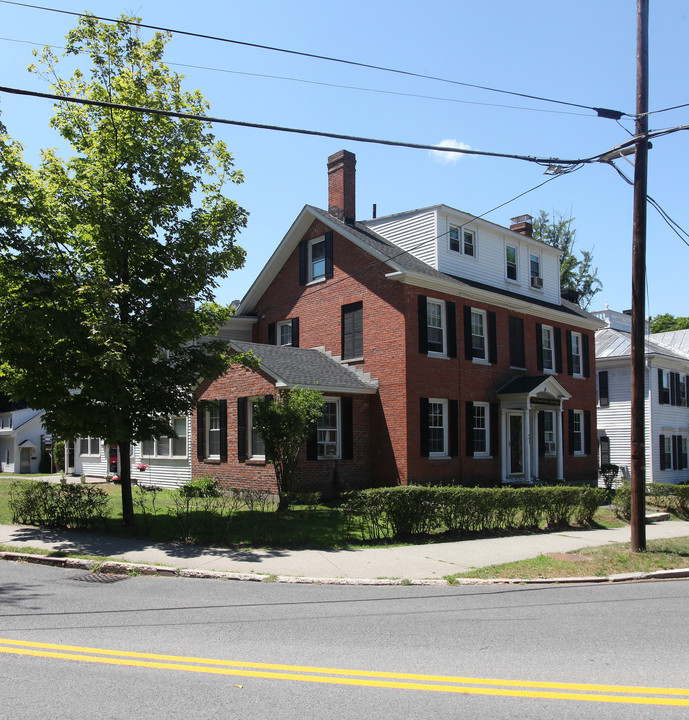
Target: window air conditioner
x=537 y=282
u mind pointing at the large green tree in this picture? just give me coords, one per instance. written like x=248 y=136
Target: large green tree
x=109 y=258
x=576 y=273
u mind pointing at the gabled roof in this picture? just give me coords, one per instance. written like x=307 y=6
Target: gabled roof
x=308 y=368
x=534 y=385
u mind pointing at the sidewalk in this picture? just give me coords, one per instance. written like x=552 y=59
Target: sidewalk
x=411 y=562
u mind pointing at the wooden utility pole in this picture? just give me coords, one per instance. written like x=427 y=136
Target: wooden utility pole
x=638 y=469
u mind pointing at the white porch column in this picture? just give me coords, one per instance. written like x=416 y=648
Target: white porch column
x=527 y=433
x=560 y=447
x=533 y=447
x=505 y=441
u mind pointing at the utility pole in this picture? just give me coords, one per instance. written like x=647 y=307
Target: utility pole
x=638 y=469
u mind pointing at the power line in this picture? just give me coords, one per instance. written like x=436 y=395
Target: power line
x=601 y=112
x=301 y=131
x=340 y=86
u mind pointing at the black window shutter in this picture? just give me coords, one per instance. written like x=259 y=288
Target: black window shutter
x=451 y=317
x=468 y=351
x=303 y=262
x=568 y=340
x=347 y=428
x=494 y=430
x=492 y=338
x=587 y=432
x=570 y=418
x=469 y=428
x=585 y=349
x=423 y=325
x=423 y=426
x=223 y=430
x=541 y=433
x=683 y=454
x=603 y=397
x=558 y=350
x=453 y=427
x=662 y=452
x=329 y=254
x=661 y=395
x=539 y=345
x=201 y=431
x=312 y=446
x=516 y=337
x=675 y=452
x=295 y=332
x=352 y=330
x=271 y=334
x=674 y=388
x=241 y=429
x=604 y=450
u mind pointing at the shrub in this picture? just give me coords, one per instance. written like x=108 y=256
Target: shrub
x=33 y=502
x=622 y=502
x=201 y=487
x=59 y=455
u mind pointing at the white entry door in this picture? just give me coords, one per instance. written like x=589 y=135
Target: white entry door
x=25 y=460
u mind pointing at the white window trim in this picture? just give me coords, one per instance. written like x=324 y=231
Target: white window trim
x=484 y=315
x=461 y=231
x=207 y=433
x=169 y=456
x=89 y=439
x=250 y=434
x=548 y=329
x=278 y=332
x=445 y=451
x=309 y=263
x=486 y=429
x=443 y=326
x=338 y=431
x=516 y=264
x=582 y=448
x=579 y=374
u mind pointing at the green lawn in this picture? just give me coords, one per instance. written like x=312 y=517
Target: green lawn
x=592 y=562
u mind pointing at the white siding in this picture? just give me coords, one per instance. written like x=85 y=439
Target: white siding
x=613 y=420
x=414 y=232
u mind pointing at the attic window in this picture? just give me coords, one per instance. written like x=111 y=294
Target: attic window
x=462 y=241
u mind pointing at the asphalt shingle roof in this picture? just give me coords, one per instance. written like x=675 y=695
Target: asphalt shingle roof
x=304 y=367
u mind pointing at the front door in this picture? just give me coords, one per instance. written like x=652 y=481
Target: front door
x=515 y=444
x=25 y=460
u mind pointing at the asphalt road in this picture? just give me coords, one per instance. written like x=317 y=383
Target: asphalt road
x=151 y=648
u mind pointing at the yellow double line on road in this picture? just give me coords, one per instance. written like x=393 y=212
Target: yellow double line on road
x=364 y=678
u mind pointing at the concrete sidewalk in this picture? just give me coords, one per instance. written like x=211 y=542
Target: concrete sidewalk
x=410 y=562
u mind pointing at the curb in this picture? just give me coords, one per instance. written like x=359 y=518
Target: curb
x=126 y=568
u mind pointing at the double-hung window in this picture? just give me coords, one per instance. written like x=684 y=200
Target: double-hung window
x=328 y=431
x=535 y=271
x=256 y=446
x=463 y=241
x=511 y=262
x=168 y=446
x=435 y=324
x=481 y=420
x=578 y=432
x=89 y=446
x=575 y=351
x=547 y=348
x=213 y=432
x=478 y=335
x=437 y=428
x=284 y=332
x=317 y=260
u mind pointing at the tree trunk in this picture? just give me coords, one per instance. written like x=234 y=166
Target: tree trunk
x=126 y=484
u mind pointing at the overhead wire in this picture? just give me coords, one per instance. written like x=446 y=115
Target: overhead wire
x=601 y=112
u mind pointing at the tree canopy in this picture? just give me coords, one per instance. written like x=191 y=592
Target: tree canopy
x=666 y=322
x=109 y=258
x=576 y=273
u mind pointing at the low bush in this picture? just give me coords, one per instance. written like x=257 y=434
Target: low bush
x=400 y=512
x=33 y=502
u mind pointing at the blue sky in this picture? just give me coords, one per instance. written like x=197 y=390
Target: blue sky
x=582 y=52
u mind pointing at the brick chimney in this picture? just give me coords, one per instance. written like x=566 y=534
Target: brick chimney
x=342 y=186
x=523 y=225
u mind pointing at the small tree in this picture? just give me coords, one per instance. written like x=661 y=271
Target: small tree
x=285 y=423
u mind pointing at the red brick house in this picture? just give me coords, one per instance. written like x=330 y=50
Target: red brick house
x=446 y=353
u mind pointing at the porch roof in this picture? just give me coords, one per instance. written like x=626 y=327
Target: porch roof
x=533 y=386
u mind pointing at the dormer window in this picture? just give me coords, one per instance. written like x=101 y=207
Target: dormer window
x=535 y=267
x=463 y=241
x=511 y=262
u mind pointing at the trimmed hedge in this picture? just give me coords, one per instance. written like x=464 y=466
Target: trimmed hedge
x=399 y=512
x=34 y=502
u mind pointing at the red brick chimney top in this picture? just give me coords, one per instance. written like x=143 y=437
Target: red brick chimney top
x=523 y=225
x=342 y=186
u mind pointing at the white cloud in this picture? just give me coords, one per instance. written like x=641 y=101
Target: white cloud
x=445 y=158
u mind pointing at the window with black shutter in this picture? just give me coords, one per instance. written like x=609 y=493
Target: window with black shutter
x=603 y=397
x=352 y=331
